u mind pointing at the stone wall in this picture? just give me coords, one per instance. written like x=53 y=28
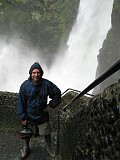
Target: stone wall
x=92 y=132
x=8 y=112
x=89 y=130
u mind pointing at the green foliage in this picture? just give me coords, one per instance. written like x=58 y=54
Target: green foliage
x=48 y=22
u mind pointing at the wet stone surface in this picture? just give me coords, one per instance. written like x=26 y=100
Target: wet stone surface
x=11 y=145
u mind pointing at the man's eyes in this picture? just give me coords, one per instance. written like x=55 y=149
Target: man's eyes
x=35 y=72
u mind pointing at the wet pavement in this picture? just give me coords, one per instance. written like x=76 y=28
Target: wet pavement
x=11 y=144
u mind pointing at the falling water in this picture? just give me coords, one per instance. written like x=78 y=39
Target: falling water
x=76 y=69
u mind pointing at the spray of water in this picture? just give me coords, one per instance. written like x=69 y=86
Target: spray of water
x=78 y=66
x=16 y=57
x=76 y=69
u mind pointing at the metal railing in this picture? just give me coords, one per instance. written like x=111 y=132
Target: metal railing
x=59 y=112
x=74 y=90
x=111 y=70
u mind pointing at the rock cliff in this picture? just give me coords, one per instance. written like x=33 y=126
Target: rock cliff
x=110 y=51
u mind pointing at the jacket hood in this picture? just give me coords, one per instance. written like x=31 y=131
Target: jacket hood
x=36 y=65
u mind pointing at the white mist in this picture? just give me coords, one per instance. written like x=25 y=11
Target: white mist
x=76 y=69
x=16 y=57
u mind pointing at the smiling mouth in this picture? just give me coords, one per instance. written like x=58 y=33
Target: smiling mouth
x=36 y=77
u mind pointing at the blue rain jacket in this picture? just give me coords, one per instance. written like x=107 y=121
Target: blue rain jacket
x=32 y=100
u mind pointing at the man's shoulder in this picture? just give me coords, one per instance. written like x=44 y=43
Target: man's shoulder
x=25 y=83
x=49 y=83
x=46 y=81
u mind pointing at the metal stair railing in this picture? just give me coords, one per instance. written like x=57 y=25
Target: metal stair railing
x=111 y=70
x=74 y=90
x=59 y=112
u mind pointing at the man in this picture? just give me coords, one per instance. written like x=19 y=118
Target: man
x=32 y=105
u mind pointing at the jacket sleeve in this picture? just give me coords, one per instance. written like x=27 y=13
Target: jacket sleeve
x=21 y=109
x=55 y=95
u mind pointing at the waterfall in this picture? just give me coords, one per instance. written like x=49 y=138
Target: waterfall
x=78 y=66
x=76 y=69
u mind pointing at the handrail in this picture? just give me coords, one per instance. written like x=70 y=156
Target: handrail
x=71 y=89
x=112 y=69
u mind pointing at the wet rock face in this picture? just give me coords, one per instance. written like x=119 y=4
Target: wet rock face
x=93 y=131
x=110 y=50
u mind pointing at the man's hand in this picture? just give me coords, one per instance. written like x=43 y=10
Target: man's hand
x=24 y=123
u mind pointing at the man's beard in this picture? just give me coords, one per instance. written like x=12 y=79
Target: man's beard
x=36 y=80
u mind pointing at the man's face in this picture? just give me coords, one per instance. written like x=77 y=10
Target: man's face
x=36 y=75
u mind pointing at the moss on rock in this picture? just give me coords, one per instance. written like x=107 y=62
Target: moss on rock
x=45 y=23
